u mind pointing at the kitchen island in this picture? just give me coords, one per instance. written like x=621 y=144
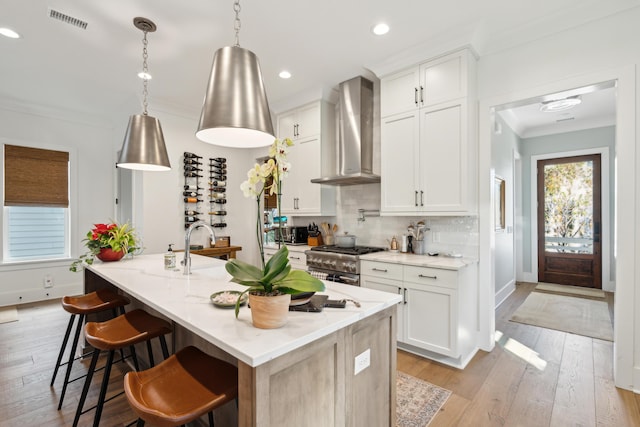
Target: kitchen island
x=333 y=368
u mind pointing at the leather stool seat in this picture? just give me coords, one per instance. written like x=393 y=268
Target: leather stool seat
x=82 y=305
x=136 y=326
x=184 y=387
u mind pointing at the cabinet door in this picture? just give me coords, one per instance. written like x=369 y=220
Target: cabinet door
x=400 y=144
x=393 y=287
x=399 y=92
x=286 y=125
x=299 y=195
x=443 y=79
x=308 y=121
x=431 y=318
x=443 y=158
x=298 y=260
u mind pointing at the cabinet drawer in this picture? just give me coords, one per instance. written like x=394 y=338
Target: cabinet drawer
x=381 y=269
x=431 y=276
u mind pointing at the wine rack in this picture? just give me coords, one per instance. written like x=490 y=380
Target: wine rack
x=217 y=191
x=192 y=192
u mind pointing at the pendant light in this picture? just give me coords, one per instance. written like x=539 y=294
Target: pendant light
x=143 y=146
x=235 y=111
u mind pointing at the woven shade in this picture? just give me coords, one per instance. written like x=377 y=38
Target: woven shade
x=35 y=177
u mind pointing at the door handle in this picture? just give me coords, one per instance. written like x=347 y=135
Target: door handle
x=423 y=276
x=384 y=270
x=415 y=96
x=405 y=295
x=421 y=95
x=421 y=198
x=415 y=198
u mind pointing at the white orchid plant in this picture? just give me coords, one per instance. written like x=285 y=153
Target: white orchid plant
x=276 y=275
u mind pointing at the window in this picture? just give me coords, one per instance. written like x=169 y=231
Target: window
x=36 y=203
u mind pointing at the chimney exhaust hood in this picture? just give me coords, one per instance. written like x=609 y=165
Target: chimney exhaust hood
x=355 y=139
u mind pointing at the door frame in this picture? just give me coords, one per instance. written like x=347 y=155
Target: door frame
x=605 y=204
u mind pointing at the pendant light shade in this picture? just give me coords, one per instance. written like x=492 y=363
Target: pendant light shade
x=235 y=112
x=143 y=146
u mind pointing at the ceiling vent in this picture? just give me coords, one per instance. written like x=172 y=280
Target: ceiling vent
x=67 y=19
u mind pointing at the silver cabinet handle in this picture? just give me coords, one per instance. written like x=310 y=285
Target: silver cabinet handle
x=423 y=276
x=384 y=270
x=421 y=198
x=400 y=293
x=422 y=95
x=415 y=96
x=415 y=198
x=294 y=257
x=405 y=296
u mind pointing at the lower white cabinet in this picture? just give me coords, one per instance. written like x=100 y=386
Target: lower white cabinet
x=437 y=317
x=297 y=257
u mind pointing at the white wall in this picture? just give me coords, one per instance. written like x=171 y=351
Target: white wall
x=90 y=143
x=598 y=51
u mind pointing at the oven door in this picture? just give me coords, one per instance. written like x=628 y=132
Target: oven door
x=334 y=276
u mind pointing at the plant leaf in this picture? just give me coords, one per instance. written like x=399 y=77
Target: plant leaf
x=240 y=299
x=301 y=281
x=243 y=271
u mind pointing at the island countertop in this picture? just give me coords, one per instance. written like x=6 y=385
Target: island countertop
x=186 y=301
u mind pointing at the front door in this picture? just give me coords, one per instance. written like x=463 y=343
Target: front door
x=569 y=221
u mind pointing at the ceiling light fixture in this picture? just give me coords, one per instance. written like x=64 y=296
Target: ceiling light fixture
x=380 y=29
x=284 y=74
x=235 y=111
x=8 y=32
x=143 y=146
x=560 y=104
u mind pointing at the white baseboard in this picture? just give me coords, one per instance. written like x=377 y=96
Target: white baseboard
x=43 y=294
x=504 y=292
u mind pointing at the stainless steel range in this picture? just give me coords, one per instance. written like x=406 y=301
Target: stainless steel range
x=337 y=264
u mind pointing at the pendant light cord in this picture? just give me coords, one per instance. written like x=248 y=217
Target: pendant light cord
x=236 y=23
x=145 y=79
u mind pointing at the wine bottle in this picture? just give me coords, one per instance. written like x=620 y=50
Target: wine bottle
x=191 y=155
x=217 y=196
x=218 y=213
x=192 y=175
x=191 y=213
x=191 y=219
x=193 y=188
x=218 y=165
x=192 y=169
x=218 y=159
x=220 y=224
x=192 y=200
x=218 y=177
x=218 y=183
x=192 y=162
x=221 y=201
x=191 y=194
x=217 y=171
x=218 y=189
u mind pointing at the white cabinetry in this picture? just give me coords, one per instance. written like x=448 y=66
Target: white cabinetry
x=312 y=130
x=428 y=140
x=437 y=317
x=297 y=257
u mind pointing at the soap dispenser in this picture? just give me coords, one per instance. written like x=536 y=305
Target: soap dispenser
x=170 y=258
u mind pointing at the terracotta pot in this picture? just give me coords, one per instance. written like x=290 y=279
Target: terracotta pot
x=269 y=312
x=108 y=254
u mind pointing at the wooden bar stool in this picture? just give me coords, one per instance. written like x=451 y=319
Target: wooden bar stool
x=181 y=389
x=82 y=305
x=131 y=328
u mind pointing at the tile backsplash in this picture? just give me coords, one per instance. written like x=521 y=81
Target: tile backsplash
x=457 y=234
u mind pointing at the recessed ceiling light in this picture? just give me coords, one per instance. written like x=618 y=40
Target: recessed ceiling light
x=144 y=76
x=380 y=29
x=7 y=32
x=560 y=104
x=284 y=74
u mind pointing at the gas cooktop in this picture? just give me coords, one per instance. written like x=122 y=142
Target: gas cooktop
x=357 y=250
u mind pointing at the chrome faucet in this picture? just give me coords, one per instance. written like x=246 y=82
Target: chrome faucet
x=187 y=239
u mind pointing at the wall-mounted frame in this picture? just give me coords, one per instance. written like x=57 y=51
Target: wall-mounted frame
x=499 y=192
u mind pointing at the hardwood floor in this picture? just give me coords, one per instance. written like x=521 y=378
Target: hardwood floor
x=534 y=377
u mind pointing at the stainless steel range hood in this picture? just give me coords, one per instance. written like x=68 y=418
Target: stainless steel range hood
x=355 y=139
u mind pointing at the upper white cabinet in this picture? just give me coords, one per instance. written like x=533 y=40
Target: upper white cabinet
x=312 y=129
x=428 y=141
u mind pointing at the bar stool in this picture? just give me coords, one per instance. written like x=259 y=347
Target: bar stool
x=82 y=305
x=181 y=389
x=131 y=328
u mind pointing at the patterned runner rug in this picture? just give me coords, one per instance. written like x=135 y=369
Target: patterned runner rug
x=418 y=401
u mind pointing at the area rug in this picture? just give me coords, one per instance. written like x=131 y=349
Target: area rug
x=580 y=316
x=570 y=290
x=8 y=314
x=417 y=401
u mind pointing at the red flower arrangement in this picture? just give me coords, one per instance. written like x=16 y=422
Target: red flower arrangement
x=118 y=238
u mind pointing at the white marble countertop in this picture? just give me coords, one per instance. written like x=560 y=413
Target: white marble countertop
x=185 y=300
x=440 y=261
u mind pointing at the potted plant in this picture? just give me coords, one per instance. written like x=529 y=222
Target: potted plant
x=107 y=242
x=275 y=281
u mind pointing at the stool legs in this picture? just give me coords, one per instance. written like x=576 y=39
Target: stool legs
x=64 y=345
x=87 y=383
x=67 y=374
x=103 y=389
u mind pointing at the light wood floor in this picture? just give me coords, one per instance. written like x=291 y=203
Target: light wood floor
x=500 y=388
x=540 y=378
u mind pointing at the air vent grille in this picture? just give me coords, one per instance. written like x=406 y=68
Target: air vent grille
x=67 y=19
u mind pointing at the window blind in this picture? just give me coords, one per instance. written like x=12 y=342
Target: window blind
x=35 y=177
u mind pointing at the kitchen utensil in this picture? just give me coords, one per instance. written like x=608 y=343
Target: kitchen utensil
x=345 y=241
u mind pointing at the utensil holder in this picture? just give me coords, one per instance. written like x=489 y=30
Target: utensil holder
x=419 y=247
x=314 y=241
